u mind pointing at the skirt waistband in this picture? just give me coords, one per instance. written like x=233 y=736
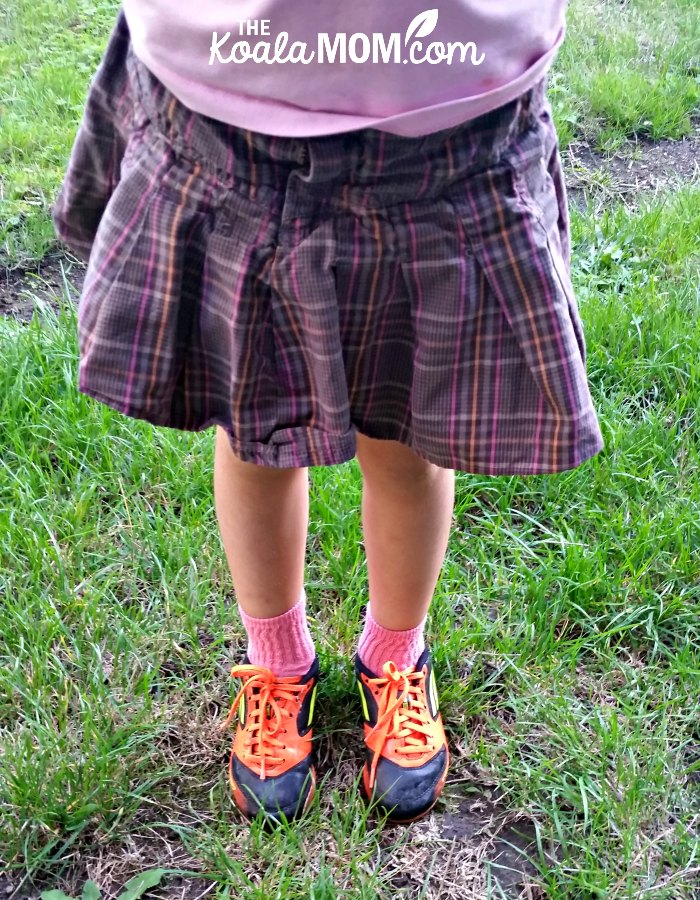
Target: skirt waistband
x=228 y=151
x=359 y=170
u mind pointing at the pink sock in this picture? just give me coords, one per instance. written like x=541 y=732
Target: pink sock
x=281 y=643
x=378 y=645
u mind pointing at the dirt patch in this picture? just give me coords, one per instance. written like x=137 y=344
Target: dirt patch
x=457 y=853
x=639 y=169
x=23 y=289
x=10 y=888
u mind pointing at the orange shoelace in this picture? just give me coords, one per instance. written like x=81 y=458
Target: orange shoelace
x=406 y=718
x=273 y=694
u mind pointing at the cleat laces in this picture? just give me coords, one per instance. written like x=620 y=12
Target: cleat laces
x=266 y=712
x=406 y=718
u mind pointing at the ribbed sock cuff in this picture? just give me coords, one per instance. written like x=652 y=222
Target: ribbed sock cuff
x=378 y=644
x=281 y=643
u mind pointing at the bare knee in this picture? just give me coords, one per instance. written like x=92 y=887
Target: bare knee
x=392 y=460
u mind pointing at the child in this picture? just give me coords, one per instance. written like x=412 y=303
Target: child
x=323 y=259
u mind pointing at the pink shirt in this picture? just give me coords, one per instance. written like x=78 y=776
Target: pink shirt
x=485 y=53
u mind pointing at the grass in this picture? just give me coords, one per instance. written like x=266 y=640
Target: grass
x=565 y=628
x=627 y=69
x=48 y=53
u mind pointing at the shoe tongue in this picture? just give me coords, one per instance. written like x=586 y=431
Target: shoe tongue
x=423 y=659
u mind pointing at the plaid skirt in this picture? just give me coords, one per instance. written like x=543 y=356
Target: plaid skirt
x=296 y=291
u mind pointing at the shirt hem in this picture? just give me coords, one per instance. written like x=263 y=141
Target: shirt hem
x=280 y=119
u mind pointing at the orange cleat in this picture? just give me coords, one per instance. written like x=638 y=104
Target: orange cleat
x=405 y=742
x=271 y=766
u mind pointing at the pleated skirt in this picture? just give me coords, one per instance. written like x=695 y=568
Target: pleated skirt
x=297 y=291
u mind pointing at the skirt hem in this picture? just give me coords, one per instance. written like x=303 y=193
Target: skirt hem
x=303 y=445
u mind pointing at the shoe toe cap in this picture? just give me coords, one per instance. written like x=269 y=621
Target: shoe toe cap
x=408 y=792
x=286 y=793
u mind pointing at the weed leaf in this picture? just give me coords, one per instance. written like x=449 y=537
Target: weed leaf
x=139 y=884
x=90 y=891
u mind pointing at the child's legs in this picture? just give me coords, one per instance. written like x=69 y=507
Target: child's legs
x=263 y=515
x=407 y=507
